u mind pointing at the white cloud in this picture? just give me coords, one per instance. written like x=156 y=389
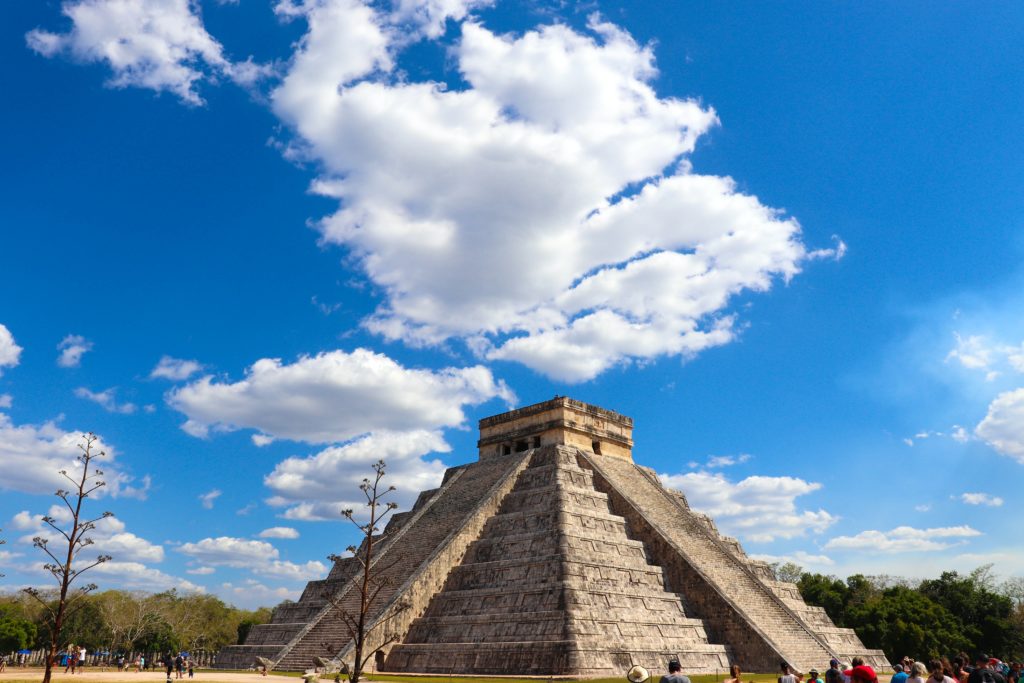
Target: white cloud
x=110 y=536
x=1003 y=426
x=904 y=539
x=800 y=557
x=757 y=508
x=279 y=532
x=137 y=576
x=318 y=487
x=923 y=507
x=175 y=369
x=428 y=17
x=201 y=571
x=259 y=557
x=981 y=499
x=979 y=352
x=335 y=396
x=156 y=44
x=252 y=593
x=107 y=399
x=34 y=454
x=546 y=213
x=717 y=461
x=72 y=348
x=6 y=400
x=10 y=352
x=207 y=499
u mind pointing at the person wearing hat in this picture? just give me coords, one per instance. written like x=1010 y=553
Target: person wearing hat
x=900 y=676
x=675 y=675
x=862 y=673
x=812 y=677
x=833 y=674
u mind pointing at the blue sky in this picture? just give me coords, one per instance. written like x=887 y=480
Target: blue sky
x=256 y=245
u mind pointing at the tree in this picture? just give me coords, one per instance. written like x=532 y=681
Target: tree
x=902 y=621
x=16 y=631
x=62 y=566
x=790 y=572
x=371 y=576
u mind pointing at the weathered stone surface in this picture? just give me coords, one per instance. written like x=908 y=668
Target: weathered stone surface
x=555 y=554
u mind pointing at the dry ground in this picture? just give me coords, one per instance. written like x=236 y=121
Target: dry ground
x=34 y=675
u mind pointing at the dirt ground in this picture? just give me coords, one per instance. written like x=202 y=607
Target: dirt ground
x=97 y=676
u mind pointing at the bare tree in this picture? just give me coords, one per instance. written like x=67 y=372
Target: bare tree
x=75 y=535
x=2 y=541
x=371 y=576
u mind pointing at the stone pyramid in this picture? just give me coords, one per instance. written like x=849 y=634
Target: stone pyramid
x=555 y=554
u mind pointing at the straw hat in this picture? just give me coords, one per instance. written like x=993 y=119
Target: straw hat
x=637 y=674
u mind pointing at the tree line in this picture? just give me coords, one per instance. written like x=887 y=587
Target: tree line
x=126 y=622
x=924 y=619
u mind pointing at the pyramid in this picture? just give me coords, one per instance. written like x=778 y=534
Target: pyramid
x=555 y=554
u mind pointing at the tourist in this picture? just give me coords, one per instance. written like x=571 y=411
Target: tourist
x=191 y=669
x=938 y=672
x=787 y=674
x=900 y=676
x=674 y=675
x=734 y=671
x=918 y=673
x=834 y=673
x=861 y=673
x=168 y=662
x=179 y=666
x=983 y=671
x=812 y=677
x=960 y=674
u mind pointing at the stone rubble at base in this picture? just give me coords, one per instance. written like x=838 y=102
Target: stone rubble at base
x=555 y=554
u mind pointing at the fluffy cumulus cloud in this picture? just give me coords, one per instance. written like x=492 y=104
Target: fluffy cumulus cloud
x=110 y=537
x=156 y=44
x=10 y=352
x=546 y=212
x=757 y=508
x=335 y=396
x=175 y=369
x=33 y=456
x=904 y=539
x=132 y=555
x=107 y=399
x=1003 y=426
x=72 y=348
x=319 y=487
x=259 y=557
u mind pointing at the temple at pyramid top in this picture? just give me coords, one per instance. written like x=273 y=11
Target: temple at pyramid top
x=560 y=421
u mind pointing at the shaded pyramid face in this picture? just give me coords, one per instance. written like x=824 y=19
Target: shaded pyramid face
x=554 y=585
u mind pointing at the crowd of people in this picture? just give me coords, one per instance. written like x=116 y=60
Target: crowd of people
x=961 y=669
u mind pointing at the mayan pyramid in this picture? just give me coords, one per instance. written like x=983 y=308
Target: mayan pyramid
x=555 y=554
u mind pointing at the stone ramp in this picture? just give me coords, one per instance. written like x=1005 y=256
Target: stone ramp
x=554 y=586
x=737 y=607
x=416 y=559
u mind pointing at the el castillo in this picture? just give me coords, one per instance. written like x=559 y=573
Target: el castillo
x=554 y=553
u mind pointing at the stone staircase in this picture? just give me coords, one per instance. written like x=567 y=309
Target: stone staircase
x=426 y=537
x=736 y=605
x=554 y=586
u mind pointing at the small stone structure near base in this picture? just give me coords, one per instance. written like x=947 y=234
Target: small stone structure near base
x=555 y=554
